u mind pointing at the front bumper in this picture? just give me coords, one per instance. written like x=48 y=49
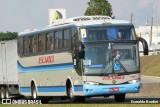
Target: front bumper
x=95 y=90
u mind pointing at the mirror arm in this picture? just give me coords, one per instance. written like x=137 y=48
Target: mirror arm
x=145 y=45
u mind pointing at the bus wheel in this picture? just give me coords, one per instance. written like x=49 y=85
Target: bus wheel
x=7 y=94
x=2 y=92
x=119 y=97
x=44 y=100
x=70 y=94
x=80 y=99
x=33 y=92
x=74 y=99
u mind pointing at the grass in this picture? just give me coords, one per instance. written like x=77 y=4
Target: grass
x=150 y=65
x=86 y=105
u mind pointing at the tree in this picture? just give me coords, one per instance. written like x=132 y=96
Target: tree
x=99 y=7
x=8 y=35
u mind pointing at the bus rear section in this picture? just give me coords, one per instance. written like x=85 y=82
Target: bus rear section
x=8 y=70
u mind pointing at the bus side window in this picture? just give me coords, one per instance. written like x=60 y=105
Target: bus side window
x=33 y=48
x=66 y=39
x=41 y=43
x=26 y=46
x=49 y=42
x=20 y=46
x=60 y=40
x=56 y=41
x=74 y=42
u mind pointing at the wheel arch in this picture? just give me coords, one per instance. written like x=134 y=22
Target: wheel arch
x=68 y=83
x=33 y=82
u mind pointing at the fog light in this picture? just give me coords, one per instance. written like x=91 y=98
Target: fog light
x=135 y=88
x=86 y=90
x=89 y=90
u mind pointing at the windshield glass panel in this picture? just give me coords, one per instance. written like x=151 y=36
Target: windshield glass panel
x=107 y=58
x=108 y=33
x=95 y=58
x=125 y=58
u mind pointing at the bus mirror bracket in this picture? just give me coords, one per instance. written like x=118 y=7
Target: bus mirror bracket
x=81 y=51
x=145 y=45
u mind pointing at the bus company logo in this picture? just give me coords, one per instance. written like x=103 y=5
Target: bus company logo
x=57 y=15
x=114 y=81
x=113 y=77
x=46 y=59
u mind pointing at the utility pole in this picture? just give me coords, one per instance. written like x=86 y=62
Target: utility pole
x=151 y=32
x=131 y=17
x=147 y=22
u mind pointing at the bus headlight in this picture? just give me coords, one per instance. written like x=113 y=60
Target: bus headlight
x=91 y=83
x=133 y=81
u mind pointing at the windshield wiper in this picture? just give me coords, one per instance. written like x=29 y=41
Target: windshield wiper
x=106 y=64
x=118 y=60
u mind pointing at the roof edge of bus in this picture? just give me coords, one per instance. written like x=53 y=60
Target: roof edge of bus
x=80 y=20
x=27 y=30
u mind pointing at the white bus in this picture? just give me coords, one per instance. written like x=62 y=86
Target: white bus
x=80 y=58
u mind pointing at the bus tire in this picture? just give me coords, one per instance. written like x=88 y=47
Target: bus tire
x=70 y=94
x=7 y=94
x=33 y=92
x=44 y=100
x=2 y=92
x=119 y=97
x=80 y=99
x=74 y=99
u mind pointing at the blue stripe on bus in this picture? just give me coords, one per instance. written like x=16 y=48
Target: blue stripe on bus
x=25 y=89
x=44 y=67
x=50 y=89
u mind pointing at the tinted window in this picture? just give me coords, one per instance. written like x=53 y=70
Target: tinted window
x=66 y=39
x=49 y=42
x=58 y=40
x=26 y=46
x=41 y=42
x=108 y=33
x=34 y=44
x=74 y=42
x=20 y=46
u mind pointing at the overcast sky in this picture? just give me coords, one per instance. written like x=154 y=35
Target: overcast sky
x=18 y=15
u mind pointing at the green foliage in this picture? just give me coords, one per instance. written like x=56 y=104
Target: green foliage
x=99 y=7
x=8 y=35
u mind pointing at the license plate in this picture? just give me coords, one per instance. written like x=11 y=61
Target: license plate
x=114 y=89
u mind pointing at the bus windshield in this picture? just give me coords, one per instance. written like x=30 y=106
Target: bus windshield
x=108 y=33
x=107 y=58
